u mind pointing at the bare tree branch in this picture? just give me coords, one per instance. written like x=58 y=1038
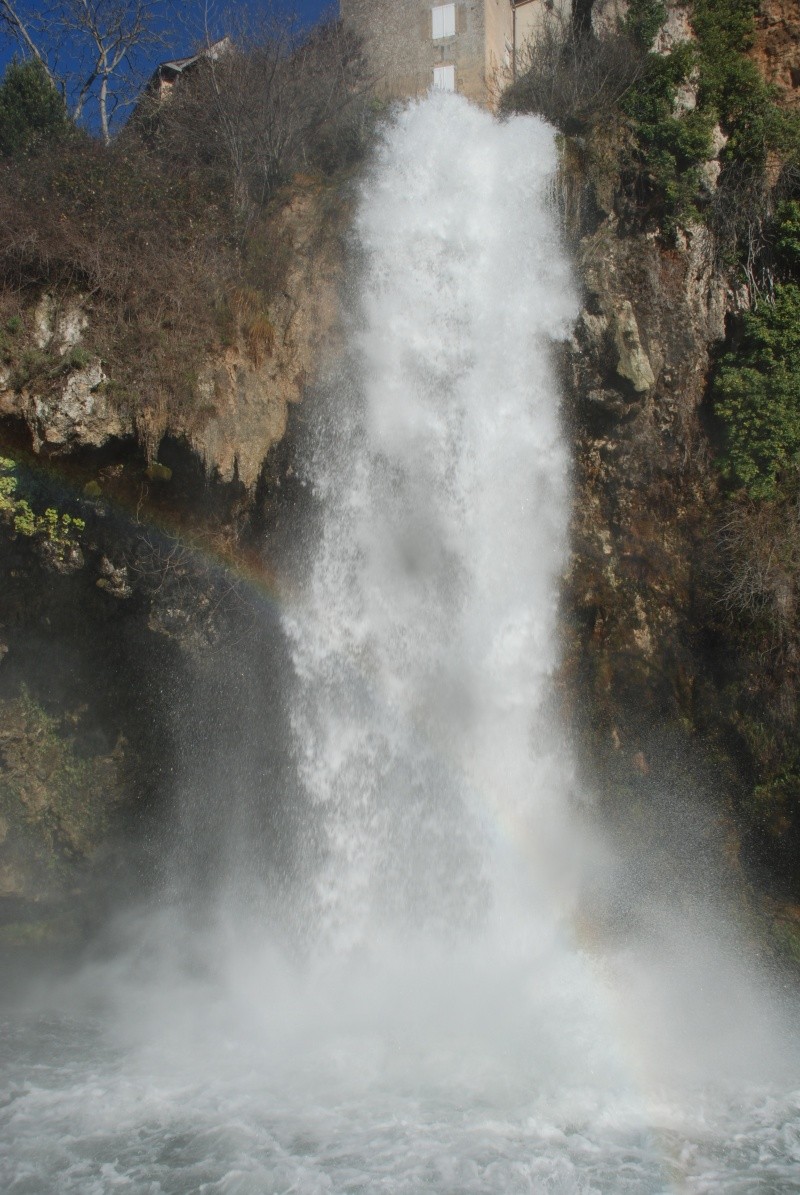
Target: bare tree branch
x=17 y=26
x=101 y=39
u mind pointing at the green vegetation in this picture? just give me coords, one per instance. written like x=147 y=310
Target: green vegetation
x=55 y=800
x=655 y=113
x=670 y=144
x=644 y=19
x=32 y=113
x=59 y=530
x=757 y=397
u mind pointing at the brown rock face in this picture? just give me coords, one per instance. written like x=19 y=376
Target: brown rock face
x=777 y=46
x=639 y=363
x=244 y=395
x=243 y=391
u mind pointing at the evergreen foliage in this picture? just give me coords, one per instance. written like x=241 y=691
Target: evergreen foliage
x=757 y=396
x=644 y=19
x=670 y=145
x=32 y=113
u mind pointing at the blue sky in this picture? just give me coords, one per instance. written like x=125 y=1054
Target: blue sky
x=180 y=26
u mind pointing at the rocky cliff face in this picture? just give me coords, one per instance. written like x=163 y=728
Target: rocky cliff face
x=777 y=47
x=661 y=681
x=243 y=392
x=637 y=371
x=120 y=619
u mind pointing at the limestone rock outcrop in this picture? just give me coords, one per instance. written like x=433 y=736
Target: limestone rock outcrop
x=243 y=392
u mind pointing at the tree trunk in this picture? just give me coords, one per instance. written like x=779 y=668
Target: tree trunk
x=104 y=110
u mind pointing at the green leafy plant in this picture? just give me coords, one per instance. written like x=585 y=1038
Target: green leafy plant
x=756 y=393
x=32 y=113
x=787 y=235
x=670 y=145
x=54 y=527
x=644 y=19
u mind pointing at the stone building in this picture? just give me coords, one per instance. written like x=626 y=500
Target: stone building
x=168 y=74
x=469 y=46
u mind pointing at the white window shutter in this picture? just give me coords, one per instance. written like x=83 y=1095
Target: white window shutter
x=444 y=78
x=443 y=21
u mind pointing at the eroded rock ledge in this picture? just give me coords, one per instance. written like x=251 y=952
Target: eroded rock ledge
x=242 y=393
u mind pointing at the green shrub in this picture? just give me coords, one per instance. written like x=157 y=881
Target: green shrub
x=77 y=358
x=670 y=146
x=787 y=236
x=756 y=393
x=51 y=526
x=32 y=113
x=725 y=30
x=731 y=86
x=644 y=19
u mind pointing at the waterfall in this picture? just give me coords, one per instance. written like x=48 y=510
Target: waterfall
x=397 y=990
x=426 y=638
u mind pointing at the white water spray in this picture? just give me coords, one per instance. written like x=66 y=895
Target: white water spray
x=427 y=636
x=435 y=1026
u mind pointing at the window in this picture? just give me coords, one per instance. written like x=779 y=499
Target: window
x=444 y=78
x=444 y=20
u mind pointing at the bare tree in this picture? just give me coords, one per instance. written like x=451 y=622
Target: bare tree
x=571 y=77
x=278 y=100
x=89 y=48
x=110 y=33
x=22 y=27
x=758 y=575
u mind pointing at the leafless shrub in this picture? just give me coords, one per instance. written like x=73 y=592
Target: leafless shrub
x=141 y=247
x=572 y=78
x=193 y=586
x=162 y=232
x=274 y=104
x=758 y=549
x=741 y=218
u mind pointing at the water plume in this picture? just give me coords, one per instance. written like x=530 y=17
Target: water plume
x=426 y=637
x=425 y=1004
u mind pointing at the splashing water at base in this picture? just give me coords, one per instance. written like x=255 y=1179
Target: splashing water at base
x=424 y=1018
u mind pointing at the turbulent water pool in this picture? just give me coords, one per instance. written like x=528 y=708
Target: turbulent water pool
x=79 y=1114
x=428 y=997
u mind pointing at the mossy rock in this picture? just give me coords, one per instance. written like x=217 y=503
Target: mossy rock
x=55 y=803
x=158 y=472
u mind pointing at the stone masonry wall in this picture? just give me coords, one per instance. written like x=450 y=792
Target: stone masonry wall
x=402 y=53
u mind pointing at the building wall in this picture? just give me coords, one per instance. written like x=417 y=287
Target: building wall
x=499 y=45
x=531 y=14
x=402 y=53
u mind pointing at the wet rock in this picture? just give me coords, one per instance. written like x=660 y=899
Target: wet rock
x=114 y=580
x=62 y=557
